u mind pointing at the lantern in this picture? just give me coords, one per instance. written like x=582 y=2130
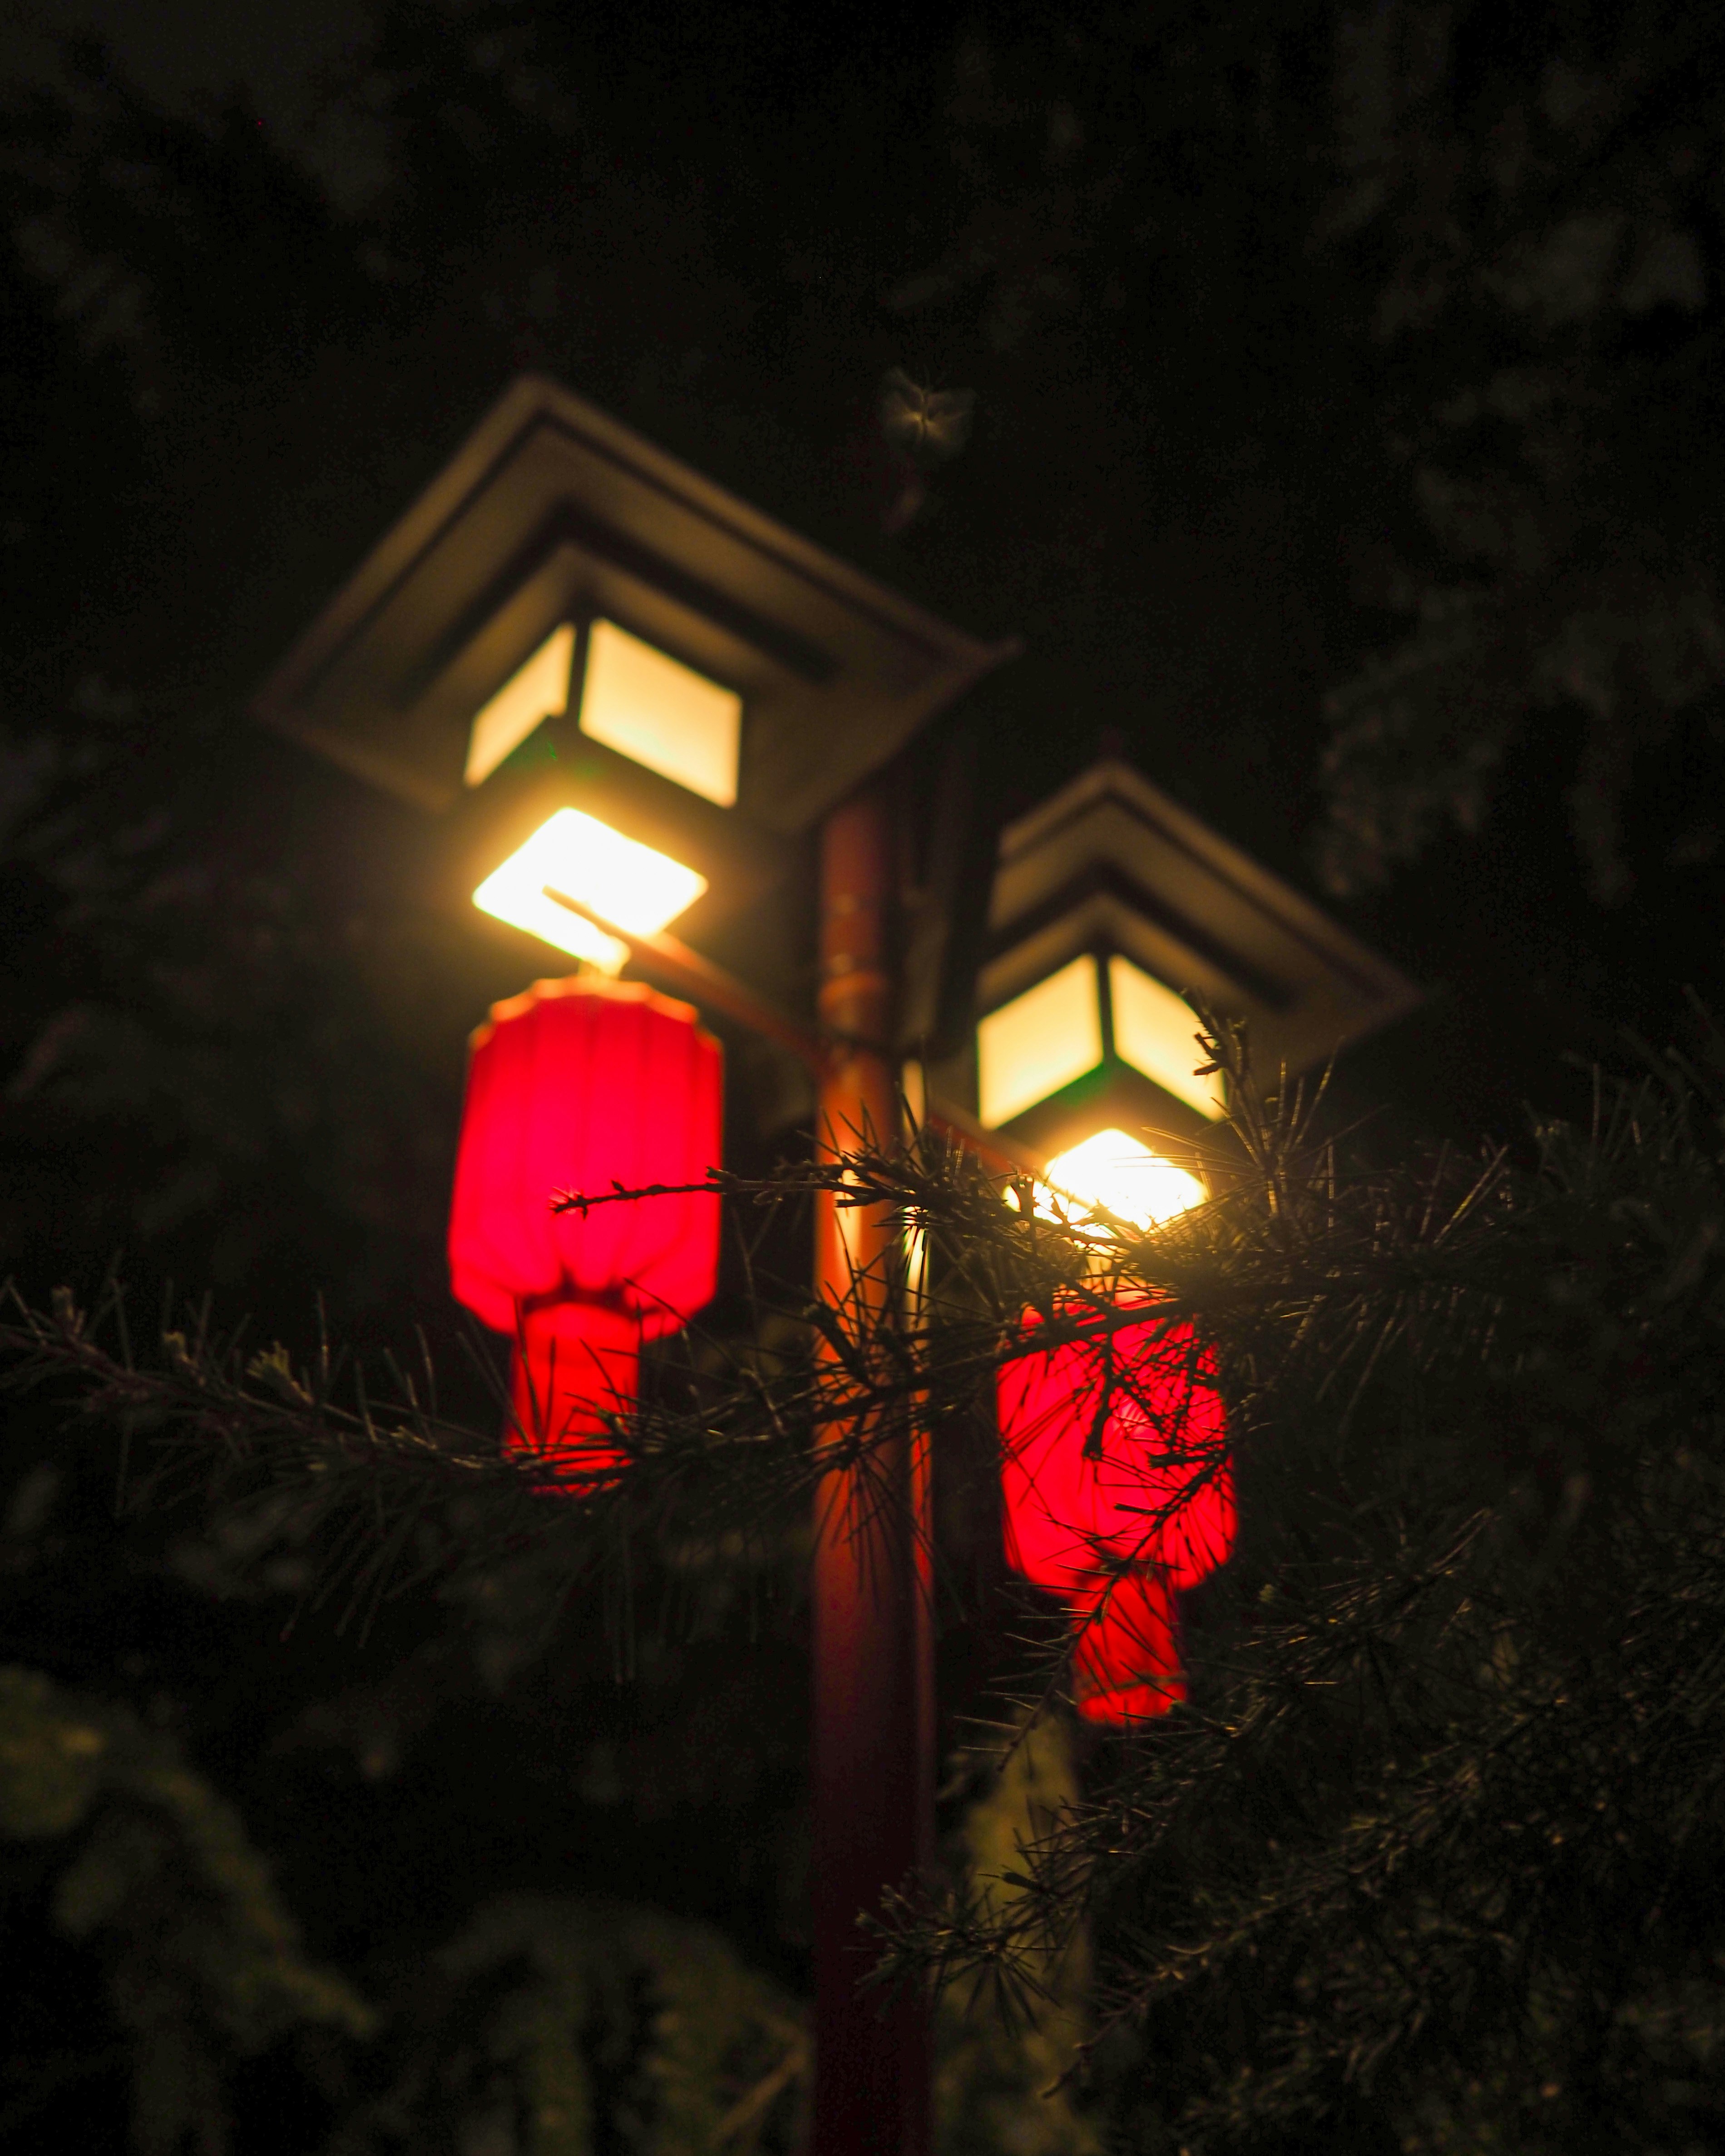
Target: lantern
x=1112 y=909
x=612 y=680
x=1117 y=1517
x=585 y=1085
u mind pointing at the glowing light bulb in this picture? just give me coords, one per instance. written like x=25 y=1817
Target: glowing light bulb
x=627 y=882
x=1114 y=1173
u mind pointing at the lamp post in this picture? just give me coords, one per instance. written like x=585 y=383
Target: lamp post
x=631 y=702
x=874 y=1736
x=631 y=705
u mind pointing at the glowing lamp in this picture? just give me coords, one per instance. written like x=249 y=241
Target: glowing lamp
x=585 y=1085
x=568 y=620
x=1113 y=1172
x=538 y=689
x=1114 y=1511
x=1112 y=913
x=646 y=705
x=632 y=885
x=1097 y=1007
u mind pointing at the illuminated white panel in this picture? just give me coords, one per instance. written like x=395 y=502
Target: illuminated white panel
x=626 y=881
x=1124 y=1178
x=1039 y=1042
x=538 y=691
x=650 y=706
x=1156 y=1032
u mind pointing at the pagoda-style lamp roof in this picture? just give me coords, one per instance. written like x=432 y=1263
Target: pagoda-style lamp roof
x=554 y=513
x=1111 y=906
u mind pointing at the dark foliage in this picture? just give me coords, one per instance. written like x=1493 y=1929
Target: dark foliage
x=1429 y=1852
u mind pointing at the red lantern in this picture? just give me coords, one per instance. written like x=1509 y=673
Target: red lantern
x=585 y=1084
x=1115 y=1519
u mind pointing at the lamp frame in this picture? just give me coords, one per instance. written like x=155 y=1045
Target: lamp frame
x=1112 y=1093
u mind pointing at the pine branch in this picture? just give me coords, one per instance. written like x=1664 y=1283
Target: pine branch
x=1448 y=1790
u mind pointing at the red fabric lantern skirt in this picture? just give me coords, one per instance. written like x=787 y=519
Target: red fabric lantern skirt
x=1140 y=1505
x=574 y=1365
x=1126 y=1664
x=585 y=1085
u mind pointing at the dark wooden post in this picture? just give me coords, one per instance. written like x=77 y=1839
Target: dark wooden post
x=873 y=1722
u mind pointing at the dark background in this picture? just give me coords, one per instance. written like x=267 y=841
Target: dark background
x=1345 y=443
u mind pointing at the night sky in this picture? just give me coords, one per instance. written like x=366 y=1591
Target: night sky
x=1183 y=490
x=188 y=51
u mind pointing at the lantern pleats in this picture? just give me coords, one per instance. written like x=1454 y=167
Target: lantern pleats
x=585 y=1085
x=575 y=1365
x=1126 y=1661
x=1137 y=1500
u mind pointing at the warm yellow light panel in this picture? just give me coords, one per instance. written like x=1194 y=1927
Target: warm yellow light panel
x=618 y=877
x=1123 y=1176
x=650 y=706
x=1156 y=1032
x=538 y=691
x=1039 y=1042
